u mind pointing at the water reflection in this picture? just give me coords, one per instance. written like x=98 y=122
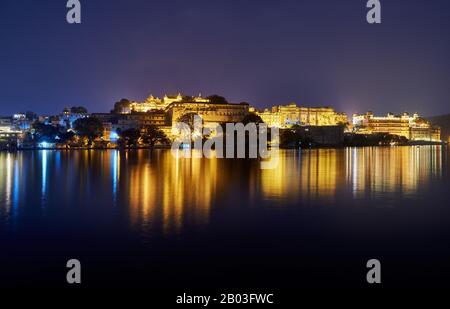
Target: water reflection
x=15 y=191
x=115 y=170
x=383 y=171
x=10 y=179
x=172 y=189
x=323 y=174
x=44 y=155
x=154 y=191
x=301 y=175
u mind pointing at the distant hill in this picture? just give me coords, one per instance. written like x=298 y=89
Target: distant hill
x=443 y=122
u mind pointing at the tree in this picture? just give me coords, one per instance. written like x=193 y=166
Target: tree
x=31 y=116
x=130 y=137
x=343 y=124
x=217 y=99
x=66 y=137
x=294 y=137
x=151 y=135
x=28 y=140
x=195 y=129
x=78 y=110
x=289 y=138
x=252 y=118
x=378 y=139
x=44 y=132
x=189 y=119
x=90 y=128
x=187 y=98
x=53 y=119
x=121 y=105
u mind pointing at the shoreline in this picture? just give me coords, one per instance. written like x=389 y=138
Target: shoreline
x=169 y=147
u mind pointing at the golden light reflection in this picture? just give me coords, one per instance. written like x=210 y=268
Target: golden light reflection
x=303 y=175
x=320 y=174
x=173 y=189
x=10 y=177
x=161 y=192
x=380 y=171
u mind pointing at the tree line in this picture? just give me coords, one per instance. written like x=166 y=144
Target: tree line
x=88 y=132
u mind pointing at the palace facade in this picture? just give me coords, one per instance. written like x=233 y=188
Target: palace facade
x=290 y=115
x=412 y=127
x=165 y=113
x=211 y=113
x=154 y=103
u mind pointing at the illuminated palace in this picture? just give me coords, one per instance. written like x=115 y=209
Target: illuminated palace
x=290 y=115
x=412 y=127
x=165 y=113
x=152 y=103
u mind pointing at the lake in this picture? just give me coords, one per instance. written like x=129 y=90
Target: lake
x=147 y=219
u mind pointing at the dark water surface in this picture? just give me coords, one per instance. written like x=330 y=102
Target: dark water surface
x=145 y=218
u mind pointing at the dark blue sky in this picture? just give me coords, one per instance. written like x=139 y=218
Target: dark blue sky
x=313 y=52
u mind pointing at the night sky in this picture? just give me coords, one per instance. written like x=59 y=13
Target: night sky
x=313 y=52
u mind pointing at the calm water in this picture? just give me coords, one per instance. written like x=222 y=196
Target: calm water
x=144 y=218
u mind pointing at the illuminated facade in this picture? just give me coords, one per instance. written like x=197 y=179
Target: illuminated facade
x=432 y=134
x=152 y=103
x=165 y=113
x=137 y=120
x=412 y=127
x=290 y=115
x=211 y=113
x=9 y=133
x=8 y=127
